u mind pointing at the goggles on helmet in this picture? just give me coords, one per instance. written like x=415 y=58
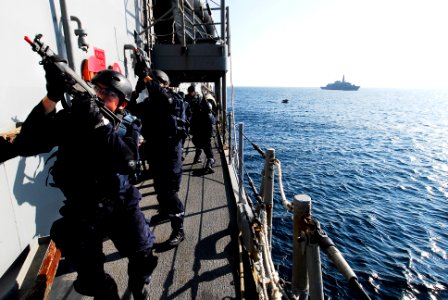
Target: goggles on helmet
x=104 y=92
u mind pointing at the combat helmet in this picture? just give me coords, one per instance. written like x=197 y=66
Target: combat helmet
x=191 y=89
x=116 y=82
x=161 y=76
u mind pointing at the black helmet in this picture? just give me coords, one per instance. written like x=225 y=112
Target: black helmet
x=161 y=76
x=116 y=82
x=191 y=89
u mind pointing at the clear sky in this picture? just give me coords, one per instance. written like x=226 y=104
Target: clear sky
x=309 y=43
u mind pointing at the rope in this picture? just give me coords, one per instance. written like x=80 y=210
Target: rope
x=277 y=290
x=265 y=267
x=266 y=271
x=272 y=287
x=272 y=275
x=288 y=205
x=262 y=274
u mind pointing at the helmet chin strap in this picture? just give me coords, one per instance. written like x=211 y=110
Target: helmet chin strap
x=122 y=105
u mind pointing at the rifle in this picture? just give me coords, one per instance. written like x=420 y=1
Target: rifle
x=140 y=55
x=75 y=86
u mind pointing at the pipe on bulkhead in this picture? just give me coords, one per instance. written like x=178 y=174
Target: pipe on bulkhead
x=68 y=41
x=221 y=98
x=126 y=47
x=81 y=34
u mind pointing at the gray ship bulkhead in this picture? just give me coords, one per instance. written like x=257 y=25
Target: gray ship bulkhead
x=193 y=63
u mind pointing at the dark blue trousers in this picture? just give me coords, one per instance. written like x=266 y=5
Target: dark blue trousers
x=85 y=223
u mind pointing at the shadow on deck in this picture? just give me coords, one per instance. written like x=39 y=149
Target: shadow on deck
x=205 y=264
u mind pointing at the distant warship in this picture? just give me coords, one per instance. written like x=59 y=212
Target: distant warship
x=341 y=86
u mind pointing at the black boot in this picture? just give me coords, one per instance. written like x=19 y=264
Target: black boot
x=197 y=156
x=140 y=268
x=209 y=165
x=177 y=226
x=100 y=290
x=139 y=290
x=109 y=290
x=176 y=237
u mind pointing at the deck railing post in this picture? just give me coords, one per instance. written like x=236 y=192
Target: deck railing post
x=230 y=115
x=223 y=23
x=314 y=267
x=302 y=209
x=240 y=162
x=268 y=191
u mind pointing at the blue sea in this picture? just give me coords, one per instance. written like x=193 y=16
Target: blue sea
x=375 y=164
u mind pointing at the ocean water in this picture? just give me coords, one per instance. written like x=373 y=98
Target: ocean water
x=375 y=163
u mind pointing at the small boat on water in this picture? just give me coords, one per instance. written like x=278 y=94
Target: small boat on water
x=341 y=86
x=285 y=100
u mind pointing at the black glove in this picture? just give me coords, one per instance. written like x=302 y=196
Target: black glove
x=140 y=86
x=8 y=150
x=55 y=79
x=86 y=110
x=141 y=69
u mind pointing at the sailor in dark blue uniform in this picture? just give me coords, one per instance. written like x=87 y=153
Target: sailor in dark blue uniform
x=203 y=130
x=92 y=168
x=128 y=119
x=163 y=146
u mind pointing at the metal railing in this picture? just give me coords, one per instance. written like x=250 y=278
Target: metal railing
x=308 y=238
x=188 y=25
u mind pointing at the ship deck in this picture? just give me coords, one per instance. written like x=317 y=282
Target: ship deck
x=204 y=265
